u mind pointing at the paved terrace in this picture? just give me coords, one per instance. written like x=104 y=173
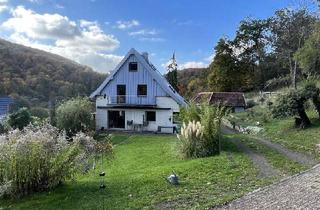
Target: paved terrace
x=301 y=191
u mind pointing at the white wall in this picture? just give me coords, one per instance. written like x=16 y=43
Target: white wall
x=101 y=118
x=167 y=102
x=239 y=109
x=163 y=118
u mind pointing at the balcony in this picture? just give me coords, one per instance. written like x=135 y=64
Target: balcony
x=126 y=100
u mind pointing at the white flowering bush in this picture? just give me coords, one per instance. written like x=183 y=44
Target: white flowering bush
x=190 y=139
x=38 y=158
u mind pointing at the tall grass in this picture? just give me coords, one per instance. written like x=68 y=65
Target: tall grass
x=38 y=158
x=200 y=133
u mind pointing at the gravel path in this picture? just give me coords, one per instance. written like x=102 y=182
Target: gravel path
x=301 y=191
x=259 y=161
x=295 y=156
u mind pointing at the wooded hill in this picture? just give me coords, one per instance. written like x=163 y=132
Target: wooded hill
x=35 y=77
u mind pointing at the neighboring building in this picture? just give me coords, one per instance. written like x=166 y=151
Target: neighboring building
x=234 y=100
x=5 y=103
x=135 y=96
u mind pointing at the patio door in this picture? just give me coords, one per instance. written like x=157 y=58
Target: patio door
x=121 y=94
x=116 y=119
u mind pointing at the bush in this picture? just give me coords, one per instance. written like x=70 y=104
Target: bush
x=190 y=113
x=20 y=118
x=38 y=158
x=39 y=112
x=201 y=138
x=74 y=115
x=250 y=103
x=292 y=104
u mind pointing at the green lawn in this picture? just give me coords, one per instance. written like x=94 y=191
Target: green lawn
x=135 y=179
x=283 y=131
x=302 y=140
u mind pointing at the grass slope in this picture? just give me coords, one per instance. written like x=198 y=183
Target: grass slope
x=135 y=179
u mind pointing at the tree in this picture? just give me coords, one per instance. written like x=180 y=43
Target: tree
x=74 y=115
x=251 y=42
x=172 y=72
x=308 y=56
x=223 y=74
x=312 y=92
x=290 y=29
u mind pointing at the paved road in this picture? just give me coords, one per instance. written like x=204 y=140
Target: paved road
x=298 y=192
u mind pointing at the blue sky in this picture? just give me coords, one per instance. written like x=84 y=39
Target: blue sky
x=99 y=32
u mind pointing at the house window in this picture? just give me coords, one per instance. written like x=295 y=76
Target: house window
x=142 y=90
x=151 y=116
x=133 y=66
x=176 y=118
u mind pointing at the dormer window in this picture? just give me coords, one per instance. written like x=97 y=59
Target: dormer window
x=133 y=66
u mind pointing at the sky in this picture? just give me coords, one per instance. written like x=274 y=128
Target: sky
x=98 y=33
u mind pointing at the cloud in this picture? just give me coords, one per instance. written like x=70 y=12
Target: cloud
x=143 y=32
x=41 y=26
x=83 y=41
x=127 y=24
x=193 y=64
x=147 y=35
x=152 y=39
x=3 y=8
x=59 y=6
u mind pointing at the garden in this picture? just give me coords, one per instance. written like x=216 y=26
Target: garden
x=61 y=163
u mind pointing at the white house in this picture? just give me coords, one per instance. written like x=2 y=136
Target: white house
x=135 y=96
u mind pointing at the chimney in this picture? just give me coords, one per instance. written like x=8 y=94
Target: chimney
x=145 y=55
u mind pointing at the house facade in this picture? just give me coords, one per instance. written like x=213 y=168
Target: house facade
x=5 y=103
x=136 y=97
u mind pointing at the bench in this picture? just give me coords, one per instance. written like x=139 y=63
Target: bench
x=173 y=129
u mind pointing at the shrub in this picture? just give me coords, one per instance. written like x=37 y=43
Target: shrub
x=292 y=104
x=39 y=112
x=38 y=158
x=311 y=91
x=20 y=118
x=74 y=115
x=250 y=103
x=211 y=120
x=201 y=138
x=190 y=113
x=190 y=139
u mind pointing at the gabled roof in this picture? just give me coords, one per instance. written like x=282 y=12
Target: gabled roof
x=152 y=70
x=230 y=99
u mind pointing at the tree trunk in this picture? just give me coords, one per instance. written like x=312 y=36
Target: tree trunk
x=305 y=121
x=294 y=75
x=316 y=103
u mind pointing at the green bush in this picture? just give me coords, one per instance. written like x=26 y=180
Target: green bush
x=39 y=112
x=20 y=118
x=190 y=113
x=38 y=158
x=292 y=104
x=201 y=138
x=74 y=115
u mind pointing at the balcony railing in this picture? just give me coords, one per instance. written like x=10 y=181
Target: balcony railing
x=129 y=100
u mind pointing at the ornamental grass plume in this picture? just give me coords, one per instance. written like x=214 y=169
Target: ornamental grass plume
x=190 y=139
x=39 y=158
